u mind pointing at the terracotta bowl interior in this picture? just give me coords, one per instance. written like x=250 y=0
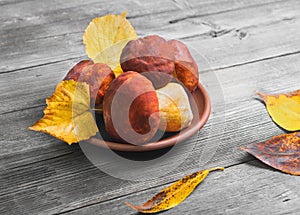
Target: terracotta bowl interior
x=200 y=104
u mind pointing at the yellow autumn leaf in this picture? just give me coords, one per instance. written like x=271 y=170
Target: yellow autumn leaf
x=111 y=57
x=67 y=115
x=174 y=194
x=284 y=109
x=105 y=38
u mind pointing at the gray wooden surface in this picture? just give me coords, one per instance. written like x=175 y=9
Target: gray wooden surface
x=248 y=46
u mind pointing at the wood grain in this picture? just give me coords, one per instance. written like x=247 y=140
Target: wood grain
x=67 y=180
x=224 y=51
x=241 y=46
x=62 y=28
x=250 y=188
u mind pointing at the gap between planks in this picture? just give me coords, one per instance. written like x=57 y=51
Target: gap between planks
x=196 y=36
x=205 y=71
x=220 y=12
x=224 y=11
x=142 y=190
x=241 y=189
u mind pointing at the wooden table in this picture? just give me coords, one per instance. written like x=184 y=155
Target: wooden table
x=248 y=46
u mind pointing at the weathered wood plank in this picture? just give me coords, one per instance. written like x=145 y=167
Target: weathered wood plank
x=34 y=12
x=260 y=42
x=256 y=79
x=39 y=174
x=56 y=38
x=22 y=13
x=250 y=188
x=217 y=24
x=66 y=180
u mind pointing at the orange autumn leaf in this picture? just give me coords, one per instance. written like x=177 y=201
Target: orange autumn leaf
x=67 y=115
x=105 y=38
x=174 y=194
x=284 y=109
x=280 y=152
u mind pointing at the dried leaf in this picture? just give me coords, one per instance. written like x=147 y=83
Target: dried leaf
x=67 y=115
x=174 y=194
x=105 y=38
x=280 y=152
x=284 y=109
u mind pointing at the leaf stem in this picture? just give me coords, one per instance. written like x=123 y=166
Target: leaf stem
x=261 y=95
x=216 y=168
x=97 y=109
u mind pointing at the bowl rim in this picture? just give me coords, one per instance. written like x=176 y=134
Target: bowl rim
x=167 y=142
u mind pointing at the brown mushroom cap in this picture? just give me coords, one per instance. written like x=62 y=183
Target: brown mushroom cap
x=161 y=60
x=186 y=69
x=150 y=54
x=131 y=109
x=97 y=75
